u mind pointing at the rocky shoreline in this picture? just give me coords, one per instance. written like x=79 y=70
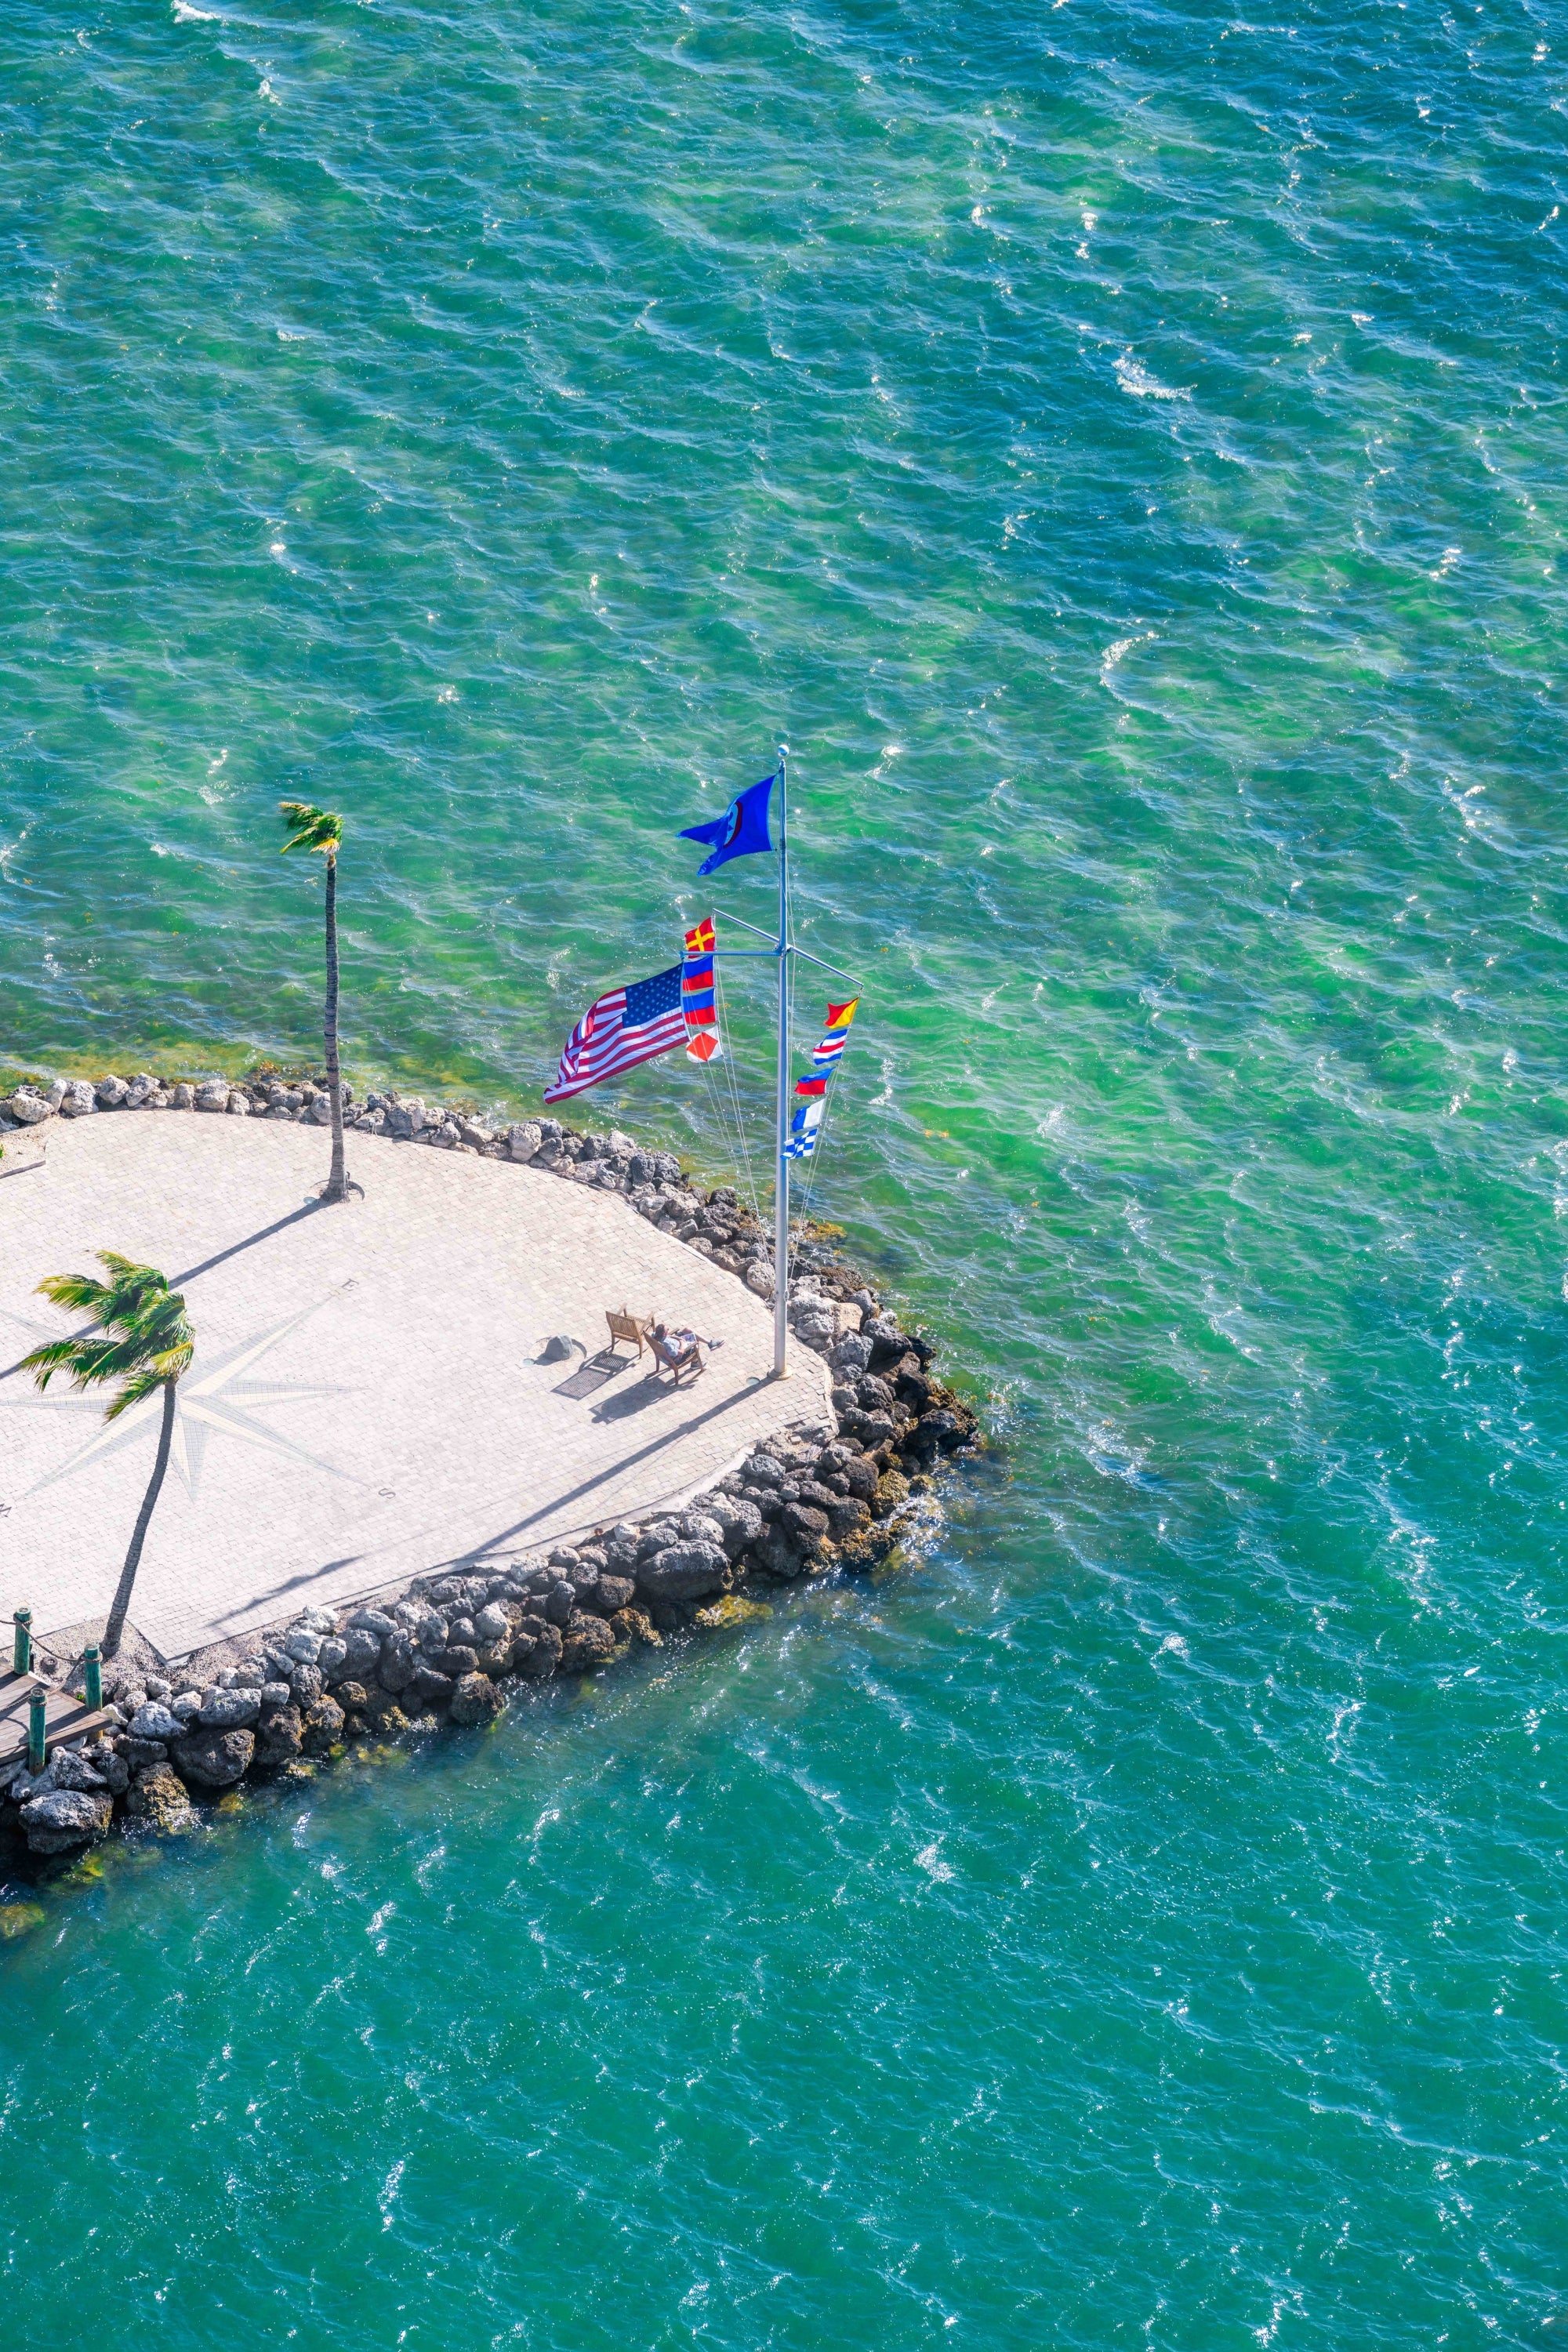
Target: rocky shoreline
x=816 y=1500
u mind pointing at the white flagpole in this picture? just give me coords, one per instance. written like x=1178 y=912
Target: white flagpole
x=781 y=1164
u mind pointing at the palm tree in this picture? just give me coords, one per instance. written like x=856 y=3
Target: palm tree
x=141 y=1339
x=315 y=829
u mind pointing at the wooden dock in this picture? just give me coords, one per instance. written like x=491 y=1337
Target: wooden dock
x=67 y=1718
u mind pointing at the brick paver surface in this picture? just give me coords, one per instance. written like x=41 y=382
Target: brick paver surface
x=366 y=1398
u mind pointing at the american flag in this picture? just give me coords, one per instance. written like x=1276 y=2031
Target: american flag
x=626 y=1026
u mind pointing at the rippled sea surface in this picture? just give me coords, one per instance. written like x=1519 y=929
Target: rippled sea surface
x=1121 y=448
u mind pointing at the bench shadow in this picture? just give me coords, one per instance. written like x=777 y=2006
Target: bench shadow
x=590 y=1376
x=629 y=1400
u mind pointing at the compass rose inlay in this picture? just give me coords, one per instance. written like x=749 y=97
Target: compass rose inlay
x=216 y=1399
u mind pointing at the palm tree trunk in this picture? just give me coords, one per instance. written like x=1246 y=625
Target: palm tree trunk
x=118 y=1613
x=337 y=1183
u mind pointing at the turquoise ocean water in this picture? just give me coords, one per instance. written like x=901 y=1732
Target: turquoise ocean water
x=1122 y=446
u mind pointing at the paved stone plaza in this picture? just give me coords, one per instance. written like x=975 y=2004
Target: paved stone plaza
x=366 y=1400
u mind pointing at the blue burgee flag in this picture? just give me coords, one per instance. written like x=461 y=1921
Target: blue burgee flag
x=741 y=831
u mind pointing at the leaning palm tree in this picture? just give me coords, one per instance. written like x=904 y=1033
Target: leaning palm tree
x=141 y=1339
x=315 y=829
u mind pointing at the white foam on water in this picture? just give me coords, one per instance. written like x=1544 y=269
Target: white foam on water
x=1134 y=378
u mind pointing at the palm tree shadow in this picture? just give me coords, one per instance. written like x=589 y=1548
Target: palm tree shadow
x=263 y=1233
x=614 y=1470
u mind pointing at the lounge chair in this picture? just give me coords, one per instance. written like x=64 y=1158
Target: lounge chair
x=632 y=1328
x=676 y=1352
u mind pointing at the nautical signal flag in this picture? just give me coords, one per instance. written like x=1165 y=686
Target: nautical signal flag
x=741 y=832
x=696 y=994
x=825 y=1059
x=803 y=1129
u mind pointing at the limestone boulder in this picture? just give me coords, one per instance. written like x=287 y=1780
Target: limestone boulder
x=937 y=1433
x=542 y=1653
x=588 y=1642
x=27 y=1110
x=685 y=1572
x=159 y=1797
x=111 y=1767
x=805 y=1525
x=65 y=1818
x=373 y=1621
x=229 y=1711
x=635 y=1625
x=279 y=1733
x=213 y=1759
x=322 y=1726
x=361 y=1650
x=740 y=1523
x=475 y=1699
x=700 y=1526
x=892 y=1493
x=430 y=1691
x=852 y=1355
x=152 y=1720
x=398 y=1665
x=847 y=1515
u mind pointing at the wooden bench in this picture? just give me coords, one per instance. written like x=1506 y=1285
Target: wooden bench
x=632 y=1328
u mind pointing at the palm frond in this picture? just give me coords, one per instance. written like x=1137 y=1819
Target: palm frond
x=75 y=1290
x=132 y=1290
x=55 y=1356
x=312 y=828
x=144 y=1384
x=141 y=1337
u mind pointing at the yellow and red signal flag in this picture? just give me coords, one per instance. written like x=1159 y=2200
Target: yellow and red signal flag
x=697 y=994
x=825 y=1054
x=825 y=1057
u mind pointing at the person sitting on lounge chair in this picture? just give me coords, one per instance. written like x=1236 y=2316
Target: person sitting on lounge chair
x=675 y=1351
